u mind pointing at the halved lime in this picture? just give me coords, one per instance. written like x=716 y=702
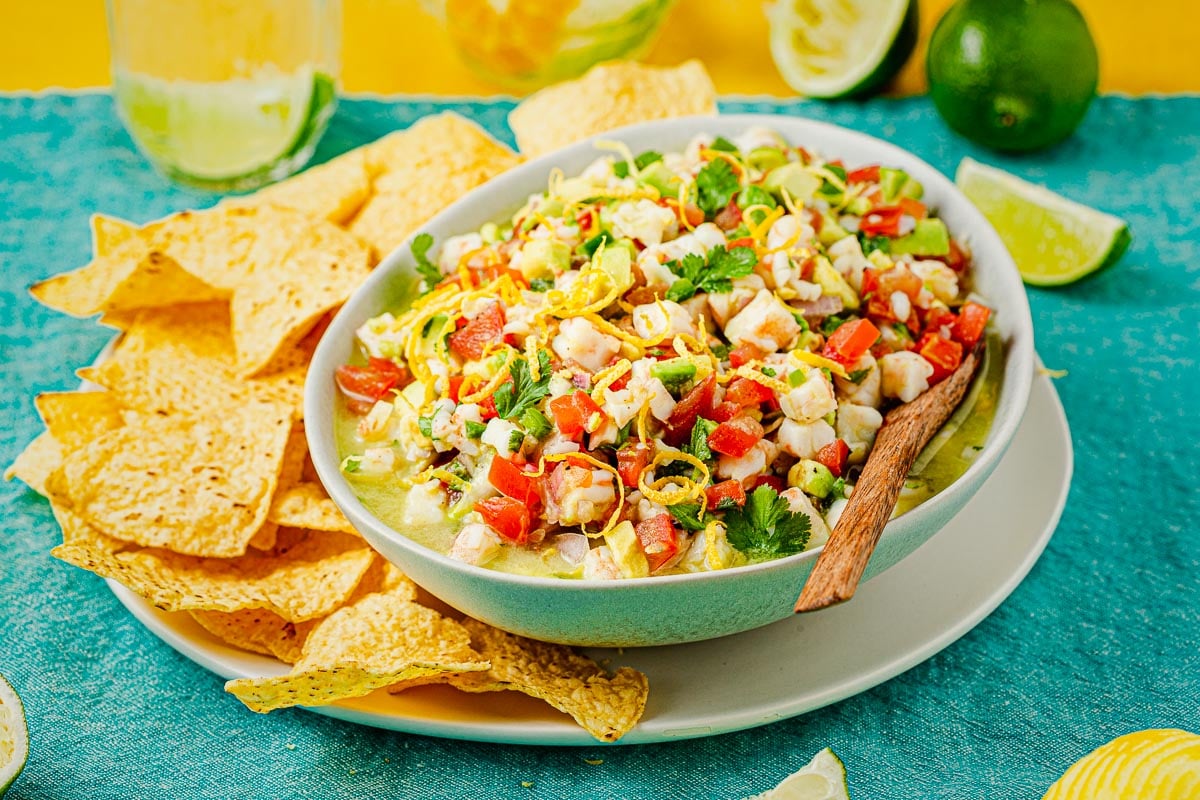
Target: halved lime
x=841 y=48
x=1055 y=241
x=823 y=778
x=14 y=736
x=221 y=131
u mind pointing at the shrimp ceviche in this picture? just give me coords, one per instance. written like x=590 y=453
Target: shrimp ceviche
x=672 y=362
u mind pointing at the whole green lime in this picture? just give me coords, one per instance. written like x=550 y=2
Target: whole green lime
x=1012 y=74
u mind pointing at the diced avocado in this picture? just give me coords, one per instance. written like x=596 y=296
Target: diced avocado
x=831 y=231
x=432 y=336
x=896 y=183
x=756 y=196
x=766 y=158
x=661 y=178
x=832 y=283
x=811 y=476
x=799 y=182
x=858 y=205
x=618 y=264
x=544 y=258
x=929 y=238
x=489 y=232
x=627 y=551
x=673 y=371
x=809 y=340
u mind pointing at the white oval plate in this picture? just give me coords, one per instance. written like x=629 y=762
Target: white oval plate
x=895 y=621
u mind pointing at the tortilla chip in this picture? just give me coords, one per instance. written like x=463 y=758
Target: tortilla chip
x=37 y=462
x=332 y=191
x=199 y=486
x=421 y=171
x=258 y=631
x=607 y=707
x=182 y=358
x=381 y=640
x=306 y=505
x=308 y=580
x=77 y=418
x=212 y=244
x=126 y=272
x=297 y=272
x=609 y=96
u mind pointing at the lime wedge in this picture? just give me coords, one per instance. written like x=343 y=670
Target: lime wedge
x=222 y=130
x=841 y=48
x=823 y=778
x=1055 y=241
x=14 y=736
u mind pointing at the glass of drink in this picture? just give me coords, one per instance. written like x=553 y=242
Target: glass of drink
x=225 y=95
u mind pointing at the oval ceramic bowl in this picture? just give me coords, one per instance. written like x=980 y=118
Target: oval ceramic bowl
x=676 y=608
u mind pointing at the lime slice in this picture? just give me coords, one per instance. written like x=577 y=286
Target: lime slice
x=823 y=778
x=1054 y=241
x=841 y=48
x=220 y=130
x=14 y=736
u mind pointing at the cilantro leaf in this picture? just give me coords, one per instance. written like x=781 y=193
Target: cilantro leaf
x=515 y=439
x=425 y=426
x=716 y=184
x=536 y=423
x=698 y=446
x=832 y=323
x=522 y=392
x=724 y=145
x=474 y=429
x=681 y=290
x=640 y=162
x=714 y=275
x=858 y=375
x=430 y=274
x=541 y=284
x=688 y=516
x=765 y=527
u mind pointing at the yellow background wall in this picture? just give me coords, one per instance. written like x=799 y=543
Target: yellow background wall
x=391 y=46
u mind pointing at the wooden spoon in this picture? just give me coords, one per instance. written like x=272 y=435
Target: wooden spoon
x=905 y=432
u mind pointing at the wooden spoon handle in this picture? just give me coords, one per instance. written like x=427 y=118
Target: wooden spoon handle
x=905 y=432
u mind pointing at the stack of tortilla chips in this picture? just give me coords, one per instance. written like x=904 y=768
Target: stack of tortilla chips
x=185 y=475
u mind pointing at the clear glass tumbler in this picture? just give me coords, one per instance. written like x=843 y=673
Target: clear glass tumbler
x=225 y=95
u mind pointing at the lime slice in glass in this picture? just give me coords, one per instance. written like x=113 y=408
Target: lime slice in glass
x=226 y=134
x=841 y=48
x=14 y=736
x=823 y=778
x=1055 y=241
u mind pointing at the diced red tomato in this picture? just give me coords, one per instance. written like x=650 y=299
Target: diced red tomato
x=914 y=208
x=883 y=221
x=938 y=316
x=945 y=355
x=572 y=413
x=487 y=408
x=456 y=382
x=725 y=489
x=659 y=540
x=850 y=341
x=834 y=456
x=745 y=241
x=774 y=481
x=726 y=411
x=698 y=402
x=510 y=518
x=587 y=219
x=512 y=481
x=864 y=175
x=747 y=393
x=743 y=354
x=956 y=259
x=736 y=437
x=489 y=272
x=631 y=460
x=689 y=213
x=371 y=382
x=968 y=328
x=728 y=217
x=483 y=329
x=621 y=382
x=816 y=220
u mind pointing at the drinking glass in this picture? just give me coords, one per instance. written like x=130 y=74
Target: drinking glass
x=225 y=95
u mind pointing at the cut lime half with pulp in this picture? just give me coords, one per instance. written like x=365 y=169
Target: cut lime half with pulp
x=841 y=48
x=224 y=133
x=823 y=778
x=1055 y=241
x=14 y=736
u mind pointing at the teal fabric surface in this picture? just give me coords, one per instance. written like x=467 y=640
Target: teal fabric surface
x=1102 y=638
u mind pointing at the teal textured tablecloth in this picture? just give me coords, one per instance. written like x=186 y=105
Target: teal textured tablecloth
x=1102 y=638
